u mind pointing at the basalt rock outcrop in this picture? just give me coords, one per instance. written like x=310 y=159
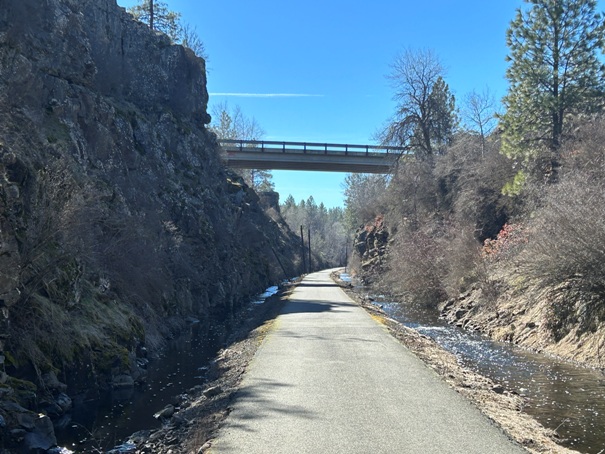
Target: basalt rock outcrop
x=371 y=247
x=117 y=218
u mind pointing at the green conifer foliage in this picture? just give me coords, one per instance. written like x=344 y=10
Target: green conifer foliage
x=156 y=14
x=555 y=74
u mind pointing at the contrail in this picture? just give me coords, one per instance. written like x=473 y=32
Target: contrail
x=267 y=95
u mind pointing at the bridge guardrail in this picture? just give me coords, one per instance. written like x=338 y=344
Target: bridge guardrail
x=311 y=147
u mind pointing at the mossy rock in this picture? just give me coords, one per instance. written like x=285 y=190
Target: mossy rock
x=25 y=391
x=21 y=385
x=111 y=356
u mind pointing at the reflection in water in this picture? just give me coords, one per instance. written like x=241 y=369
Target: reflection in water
x=563 y=397
x=107 y=422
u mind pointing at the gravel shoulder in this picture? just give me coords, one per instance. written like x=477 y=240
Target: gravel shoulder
x=194 y=417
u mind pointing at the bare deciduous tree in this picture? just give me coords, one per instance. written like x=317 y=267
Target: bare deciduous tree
x=191 y=39
x=479 y=113
x=232 y=124
x=425 y=117
x=159 y=17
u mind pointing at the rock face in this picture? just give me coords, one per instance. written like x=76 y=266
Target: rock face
x=371 y=246
x=117 y=218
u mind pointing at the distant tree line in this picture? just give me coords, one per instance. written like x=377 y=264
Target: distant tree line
x=327 y=226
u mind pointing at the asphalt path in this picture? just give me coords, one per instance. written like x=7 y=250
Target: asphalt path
x=330 y=379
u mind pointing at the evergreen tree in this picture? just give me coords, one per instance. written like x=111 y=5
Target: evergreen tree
x=364 y=194
x=554 y=74
x=441 y=119
x=289 y=203
x=258 y=179
x=328 y=234
x=156 y=14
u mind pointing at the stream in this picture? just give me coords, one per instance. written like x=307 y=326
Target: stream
x=101 y=424
x=561 y=396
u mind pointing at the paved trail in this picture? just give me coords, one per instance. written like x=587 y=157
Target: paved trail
x=329 y=379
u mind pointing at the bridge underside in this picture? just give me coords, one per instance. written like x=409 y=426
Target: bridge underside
x=316 y=161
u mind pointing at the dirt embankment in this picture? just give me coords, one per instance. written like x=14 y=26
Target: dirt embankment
x=565 y=320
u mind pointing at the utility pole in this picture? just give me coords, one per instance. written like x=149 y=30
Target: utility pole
x=303 y=251
x=309 y=241
x=346 y=254
x=151 y=15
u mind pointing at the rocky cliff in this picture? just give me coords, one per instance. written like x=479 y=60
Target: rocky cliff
x=370 y=248
x=117 y=218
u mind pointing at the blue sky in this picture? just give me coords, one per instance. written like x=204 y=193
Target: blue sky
x=331 y=58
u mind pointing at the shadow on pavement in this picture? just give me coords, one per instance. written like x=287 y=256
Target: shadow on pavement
x=259 y=395
x=311 y=284
x=298 y=306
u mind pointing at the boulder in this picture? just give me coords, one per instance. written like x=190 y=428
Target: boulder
x=42 y=436
x=64 y=401
x=212 y=391
x=498 y=389
x=52 y=383
x=122 y=382
x=165 y=413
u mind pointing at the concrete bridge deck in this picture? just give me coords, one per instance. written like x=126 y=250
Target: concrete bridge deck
x=271 y=155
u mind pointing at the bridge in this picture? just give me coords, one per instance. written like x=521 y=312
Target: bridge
x=328 y=157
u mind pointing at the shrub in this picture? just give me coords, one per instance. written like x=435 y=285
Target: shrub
x=566 y=237
x=508 y=241
x=462 y=259
x=471 y=185
x=411 y=198
x=416 y=268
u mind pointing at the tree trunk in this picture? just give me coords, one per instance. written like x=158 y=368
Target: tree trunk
x=151 y=15
x=556 y=120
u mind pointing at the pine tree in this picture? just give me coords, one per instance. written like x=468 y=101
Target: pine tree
x=554 y=74
x=328 y=235
x=442 y=119
x=156 y=14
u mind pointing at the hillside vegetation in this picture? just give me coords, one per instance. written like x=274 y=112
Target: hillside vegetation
x=499 y=219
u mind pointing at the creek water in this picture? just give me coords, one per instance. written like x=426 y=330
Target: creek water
x=101 y=424
x=566 y=398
